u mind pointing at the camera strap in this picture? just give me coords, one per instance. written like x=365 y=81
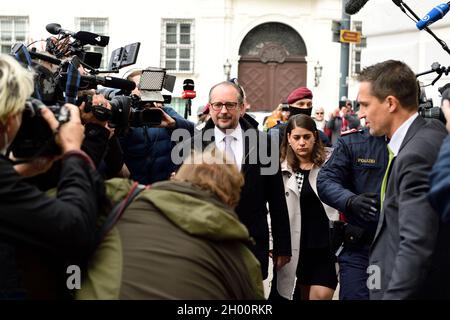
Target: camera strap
x=23 y=56
x=73 y=81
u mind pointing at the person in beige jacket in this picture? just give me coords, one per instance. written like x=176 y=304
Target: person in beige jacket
x=311 y=273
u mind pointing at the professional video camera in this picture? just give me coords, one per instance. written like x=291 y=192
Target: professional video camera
x=426 y=106
x=60 y=84
x=142 y=110
x=35 y=138
x=68 y=43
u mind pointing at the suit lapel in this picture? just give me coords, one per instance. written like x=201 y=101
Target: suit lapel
x=413 y=129
x=245 y=165
x=247 y=148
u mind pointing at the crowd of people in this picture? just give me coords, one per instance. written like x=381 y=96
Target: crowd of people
x=207 y=227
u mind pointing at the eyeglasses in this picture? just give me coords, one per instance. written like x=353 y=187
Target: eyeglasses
x=319 y=112
x=217 y=106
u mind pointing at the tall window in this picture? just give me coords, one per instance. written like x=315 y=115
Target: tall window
x=357 y=49
x=98 y=26
x=12 y=29
x=177 y=45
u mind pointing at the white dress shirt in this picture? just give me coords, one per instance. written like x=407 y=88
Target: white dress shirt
x=237 y=144
x=400 y=133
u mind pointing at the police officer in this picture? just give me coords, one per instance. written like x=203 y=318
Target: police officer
x=300 y=102
x=350 y=182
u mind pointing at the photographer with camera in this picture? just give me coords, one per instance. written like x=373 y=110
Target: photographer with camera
x=439 y=177
x=147 y=149
x=60 y=227
x=101 y=142
x=341 y=120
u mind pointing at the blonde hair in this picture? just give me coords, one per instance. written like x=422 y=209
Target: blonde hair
x=16 y=85
x=133 y=73
x=213 y=173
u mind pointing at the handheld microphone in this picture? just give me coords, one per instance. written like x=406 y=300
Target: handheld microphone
x=353 y=6
x=434 y=15
x=188 y=89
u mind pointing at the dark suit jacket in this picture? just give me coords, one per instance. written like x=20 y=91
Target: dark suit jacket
x=408 y=249
x=258 y=191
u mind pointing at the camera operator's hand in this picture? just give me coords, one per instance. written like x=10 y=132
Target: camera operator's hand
x=167 y=121
x=70 y=135
x=366 y=206
x=88 y=117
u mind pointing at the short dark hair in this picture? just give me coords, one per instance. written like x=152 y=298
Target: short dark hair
x=318 y=153
x=392 y=78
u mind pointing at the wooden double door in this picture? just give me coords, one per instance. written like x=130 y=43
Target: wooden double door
x=268 y=84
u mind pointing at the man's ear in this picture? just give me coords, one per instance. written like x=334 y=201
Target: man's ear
x=242 y=110
x=393 y=103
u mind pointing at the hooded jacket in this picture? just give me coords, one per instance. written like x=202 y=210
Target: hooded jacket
x=175 y=241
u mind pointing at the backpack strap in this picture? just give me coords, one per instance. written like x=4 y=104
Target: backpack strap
x=118 y=211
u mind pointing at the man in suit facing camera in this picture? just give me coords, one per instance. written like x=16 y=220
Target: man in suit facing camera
x=257 y=158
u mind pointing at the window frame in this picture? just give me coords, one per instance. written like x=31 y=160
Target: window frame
x=13 y=20
x=180 y=48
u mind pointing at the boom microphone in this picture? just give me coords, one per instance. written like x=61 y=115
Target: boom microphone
x=434 y=15
x=55 y=28
x=353 y=6
x=110 y=82
x=91 y=82
x=84 y=37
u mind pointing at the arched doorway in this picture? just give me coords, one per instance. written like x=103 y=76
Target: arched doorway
x=272 y=64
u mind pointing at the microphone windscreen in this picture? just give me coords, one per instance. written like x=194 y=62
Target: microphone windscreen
x=353 y=6
x=86 y=37
x=188 y=84
x=53 y=28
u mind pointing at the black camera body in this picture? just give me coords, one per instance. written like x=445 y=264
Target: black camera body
x=131 y=111
x=426 y=107
x=35 y=138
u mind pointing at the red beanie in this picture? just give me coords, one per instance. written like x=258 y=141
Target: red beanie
x=299 y=94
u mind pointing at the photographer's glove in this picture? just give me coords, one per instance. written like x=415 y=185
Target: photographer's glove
x=366 y=206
